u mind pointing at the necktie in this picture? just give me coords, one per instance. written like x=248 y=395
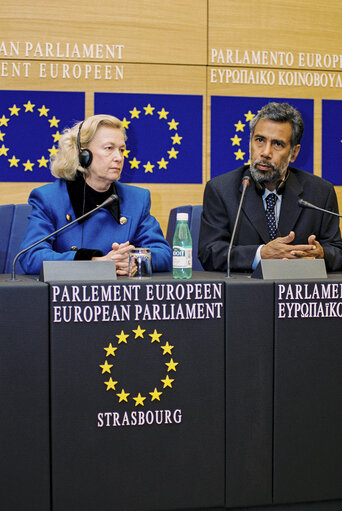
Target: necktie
x=271 y=200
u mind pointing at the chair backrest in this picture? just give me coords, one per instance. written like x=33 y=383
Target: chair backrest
x=13 y=223
x=194 y=213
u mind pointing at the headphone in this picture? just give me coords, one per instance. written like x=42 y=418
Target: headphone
x=260 y=187
x=85 y=156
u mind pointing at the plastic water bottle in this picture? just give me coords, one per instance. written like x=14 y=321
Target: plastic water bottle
x=182 y=249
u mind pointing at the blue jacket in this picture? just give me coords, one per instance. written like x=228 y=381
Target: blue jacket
x=52 y=208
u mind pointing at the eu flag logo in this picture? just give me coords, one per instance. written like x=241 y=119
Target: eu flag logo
x=31 y=124
x=164 y=133
x=331 y=141
x=230 y=132
x=127 y=346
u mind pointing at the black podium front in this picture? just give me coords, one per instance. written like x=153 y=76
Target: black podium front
x=137 y=395
x=308 y=391
x=169 y=395
x=24 y=395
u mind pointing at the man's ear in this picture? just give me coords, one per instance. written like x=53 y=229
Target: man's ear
x=295 y=153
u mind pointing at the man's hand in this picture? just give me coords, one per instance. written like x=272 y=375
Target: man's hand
x=280 y=248
x=316 y=253
x=119 y=254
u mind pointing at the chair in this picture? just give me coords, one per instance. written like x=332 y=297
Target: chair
x=194 y=213
x=13 y=223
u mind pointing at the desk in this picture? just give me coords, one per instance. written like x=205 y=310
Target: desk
x=258 y=388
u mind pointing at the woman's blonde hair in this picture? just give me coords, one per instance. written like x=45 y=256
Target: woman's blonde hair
x=65 y=163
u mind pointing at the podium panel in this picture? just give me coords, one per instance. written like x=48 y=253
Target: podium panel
x=24 y=395
x=137 y=395
x=249 y=392
x=308 y=391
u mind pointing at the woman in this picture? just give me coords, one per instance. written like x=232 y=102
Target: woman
x=88 y=166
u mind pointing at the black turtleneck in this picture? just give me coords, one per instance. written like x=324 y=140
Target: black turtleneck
x=83 y=199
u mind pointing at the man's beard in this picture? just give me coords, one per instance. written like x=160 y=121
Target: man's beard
x=270 y=176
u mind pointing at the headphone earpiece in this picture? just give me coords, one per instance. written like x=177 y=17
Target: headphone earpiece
x=85 y=156
x=260 y=187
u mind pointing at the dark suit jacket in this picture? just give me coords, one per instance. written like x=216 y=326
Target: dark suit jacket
x=221 y=200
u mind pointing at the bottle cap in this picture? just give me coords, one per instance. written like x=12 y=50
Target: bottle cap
x=182 y=216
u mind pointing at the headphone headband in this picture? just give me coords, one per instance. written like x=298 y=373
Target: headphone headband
x=260 y=187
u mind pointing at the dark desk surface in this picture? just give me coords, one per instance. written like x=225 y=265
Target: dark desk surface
x=282 y=385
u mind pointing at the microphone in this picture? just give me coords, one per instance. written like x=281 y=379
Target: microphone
x=245 y=183
x=106 y=203
x=304 y=204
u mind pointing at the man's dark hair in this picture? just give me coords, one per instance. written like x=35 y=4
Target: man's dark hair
x=281 y=112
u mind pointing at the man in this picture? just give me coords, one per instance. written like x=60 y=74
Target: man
x=272 y=225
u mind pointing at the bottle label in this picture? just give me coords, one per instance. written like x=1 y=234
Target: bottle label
x=182 y=257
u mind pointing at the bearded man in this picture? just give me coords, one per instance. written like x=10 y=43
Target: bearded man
x=272 y=225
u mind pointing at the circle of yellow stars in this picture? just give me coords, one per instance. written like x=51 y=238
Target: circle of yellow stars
x=175 y=138
x=239 y=128
x=14 y=112
x=120 y=392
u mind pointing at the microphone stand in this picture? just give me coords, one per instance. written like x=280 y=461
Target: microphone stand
x=305 y=204
x=245 y=184
x=107 y=202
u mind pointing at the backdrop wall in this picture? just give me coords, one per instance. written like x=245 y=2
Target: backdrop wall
x=185 y=75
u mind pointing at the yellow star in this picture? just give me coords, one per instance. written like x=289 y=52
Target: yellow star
x=248 y=162
x=43 y=162
x=14 y=110
x=139 y=400
x=53 y=151
x=173 y=125
x=134 y=163
x=122 y=337
x=43 y=111
x=155 y=336
x=167 y=382
x=3 y=121
x=126 y=153
x=176 y=139
x=239 y=155
x=134 y=113
x=149 y=109
x=2 y=136
x=29 y=106
x=155 y=394
x=162 y=163
x=163 y=114
x=28 y=166
x=123 y=396
x=167 y=348
x=139 y=332
x=125 y=123
x=110 y=350
x=4 y=150
x=106 y=367
x=148 y=167
x=54 y=122
x=110 y=384
x=239 y=126
x=249 y=116
x=14 y=161
x=236 y=140
x=173 y=153
x=171 y=365
x=56 y=136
